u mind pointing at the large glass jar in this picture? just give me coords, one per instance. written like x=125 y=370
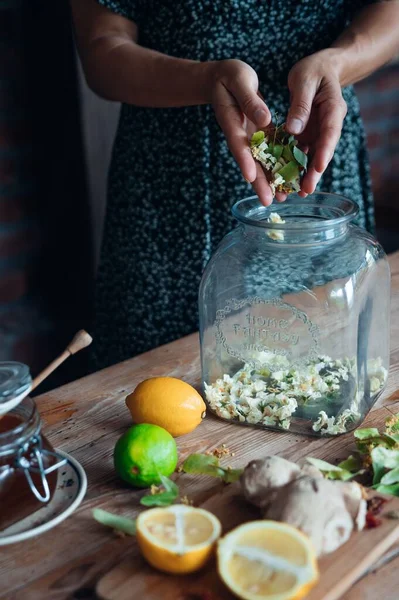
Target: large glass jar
x=294 y=317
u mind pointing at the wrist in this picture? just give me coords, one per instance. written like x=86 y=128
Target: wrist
x=334 y=60
x=205 y=76
x=215 y=72
x=346 y=54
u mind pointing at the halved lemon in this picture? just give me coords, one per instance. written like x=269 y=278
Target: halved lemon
x=267 y=559
x=178 y=538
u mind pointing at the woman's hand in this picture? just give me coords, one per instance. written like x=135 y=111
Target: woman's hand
x=317 y=112
x=240 y=111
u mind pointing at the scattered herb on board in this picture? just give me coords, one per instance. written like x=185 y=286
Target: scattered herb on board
x=158 y=497
x=208 y=464
x=376 y=459
x=119 y=524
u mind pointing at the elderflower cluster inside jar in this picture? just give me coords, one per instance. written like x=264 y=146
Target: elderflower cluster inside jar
x=294 y=317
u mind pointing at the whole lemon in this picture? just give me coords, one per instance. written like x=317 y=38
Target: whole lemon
x=168 y=402
x=143 y=454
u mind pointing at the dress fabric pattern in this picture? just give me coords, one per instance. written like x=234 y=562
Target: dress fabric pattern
x=173 y=180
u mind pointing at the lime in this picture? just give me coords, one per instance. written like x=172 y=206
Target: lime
x=143 y=454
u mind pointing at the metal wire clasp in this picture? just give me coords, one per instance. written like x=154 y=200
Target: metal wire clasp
x=36 y=451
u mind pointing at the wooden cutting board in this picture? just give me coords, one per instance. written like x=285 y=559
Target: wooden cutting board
x=338 y=571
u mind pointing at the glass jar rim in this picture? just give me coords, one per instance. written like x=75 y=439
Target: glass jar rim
x=250 y=211
x=15 y=379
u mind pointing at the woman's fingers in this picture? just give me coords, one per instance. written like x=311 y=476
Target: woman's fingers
x=281 y=196
x=232 y=122
x=309 y=182
x=303 y=91
x=244 y=88
x=236 y=99
x=332 y=115
x=262 y=187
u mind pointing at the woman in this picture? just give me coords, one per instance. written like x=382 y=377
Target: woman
x=175 y=66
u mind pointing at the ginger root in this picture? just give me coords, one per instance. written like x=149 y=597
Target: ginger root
x=327 y=511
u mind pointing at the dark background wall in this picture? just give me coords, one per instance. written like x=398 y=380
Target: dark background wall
x=46 y=251
x=55 y=143
x=379 y=101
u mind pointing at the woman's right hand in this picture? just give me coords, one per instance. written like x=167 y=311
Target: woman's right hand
x=240 y=111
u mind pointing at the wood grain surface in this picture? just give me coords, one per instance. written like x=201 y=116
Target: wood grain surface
x=338 y=571
x=86 y=417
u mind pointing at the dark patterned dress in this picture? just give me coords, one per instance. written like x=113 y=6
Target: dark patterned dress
x=172 y=180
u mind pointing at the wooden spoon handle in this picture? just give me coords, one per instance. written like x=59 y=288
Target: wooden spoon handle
x=81 y=340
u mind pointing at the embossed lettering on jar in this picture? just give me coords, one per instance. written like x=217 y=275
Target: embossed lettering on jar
x=294 y=317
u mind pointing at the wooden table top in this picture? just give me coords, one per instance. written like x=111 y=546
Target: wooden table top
x=86 y=417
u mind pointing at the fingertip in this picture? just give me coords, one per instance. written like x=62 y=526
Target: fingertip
x=295 y=125
x=262 y=117
x=249 y=172
x=265 y=196
x=281 y=197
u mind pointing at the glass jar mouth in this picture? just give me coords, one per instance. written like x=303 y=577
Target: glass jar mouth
x=316 y=212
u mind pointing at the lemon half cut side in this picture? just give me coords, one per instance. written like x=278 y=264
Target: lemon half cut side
x=267 y=559
x=178 y=538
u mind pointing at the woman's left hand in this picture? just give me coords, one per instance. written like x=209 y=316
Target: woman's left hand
x=317 y=111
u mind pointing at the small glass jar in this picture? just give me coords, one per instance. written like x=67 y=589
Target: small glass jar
x=28 y=463
x=294 y=317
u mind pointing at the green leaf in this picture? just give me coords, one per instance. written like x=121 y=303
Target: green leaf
x=289 y=172
x=331 y=471
x=391 y=440
x=277 y=151
x=300 y=157
x=232 y=475
x=169 y=485
x=323 y=465
x=287 y=154
x=391 y=477
x=207 y=464
x=162 y=499
x=382 y=440
x=361 y=434
x=393 y=490
x=257 y=138
x=387 y=457
x=383 y=459
x=115 y=521
x=202 y=464
x=352 y=464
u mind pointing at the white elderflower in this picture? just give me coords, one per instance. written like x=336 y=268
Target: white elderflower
x=335 y=425
x=259 y=385
x=272 y=394
x=375 y=384
x=275 y=218
x=323 y=422
x=255 y=416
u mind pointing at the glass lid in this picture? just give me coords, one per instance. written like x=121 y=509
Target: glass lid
x=15 y=384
